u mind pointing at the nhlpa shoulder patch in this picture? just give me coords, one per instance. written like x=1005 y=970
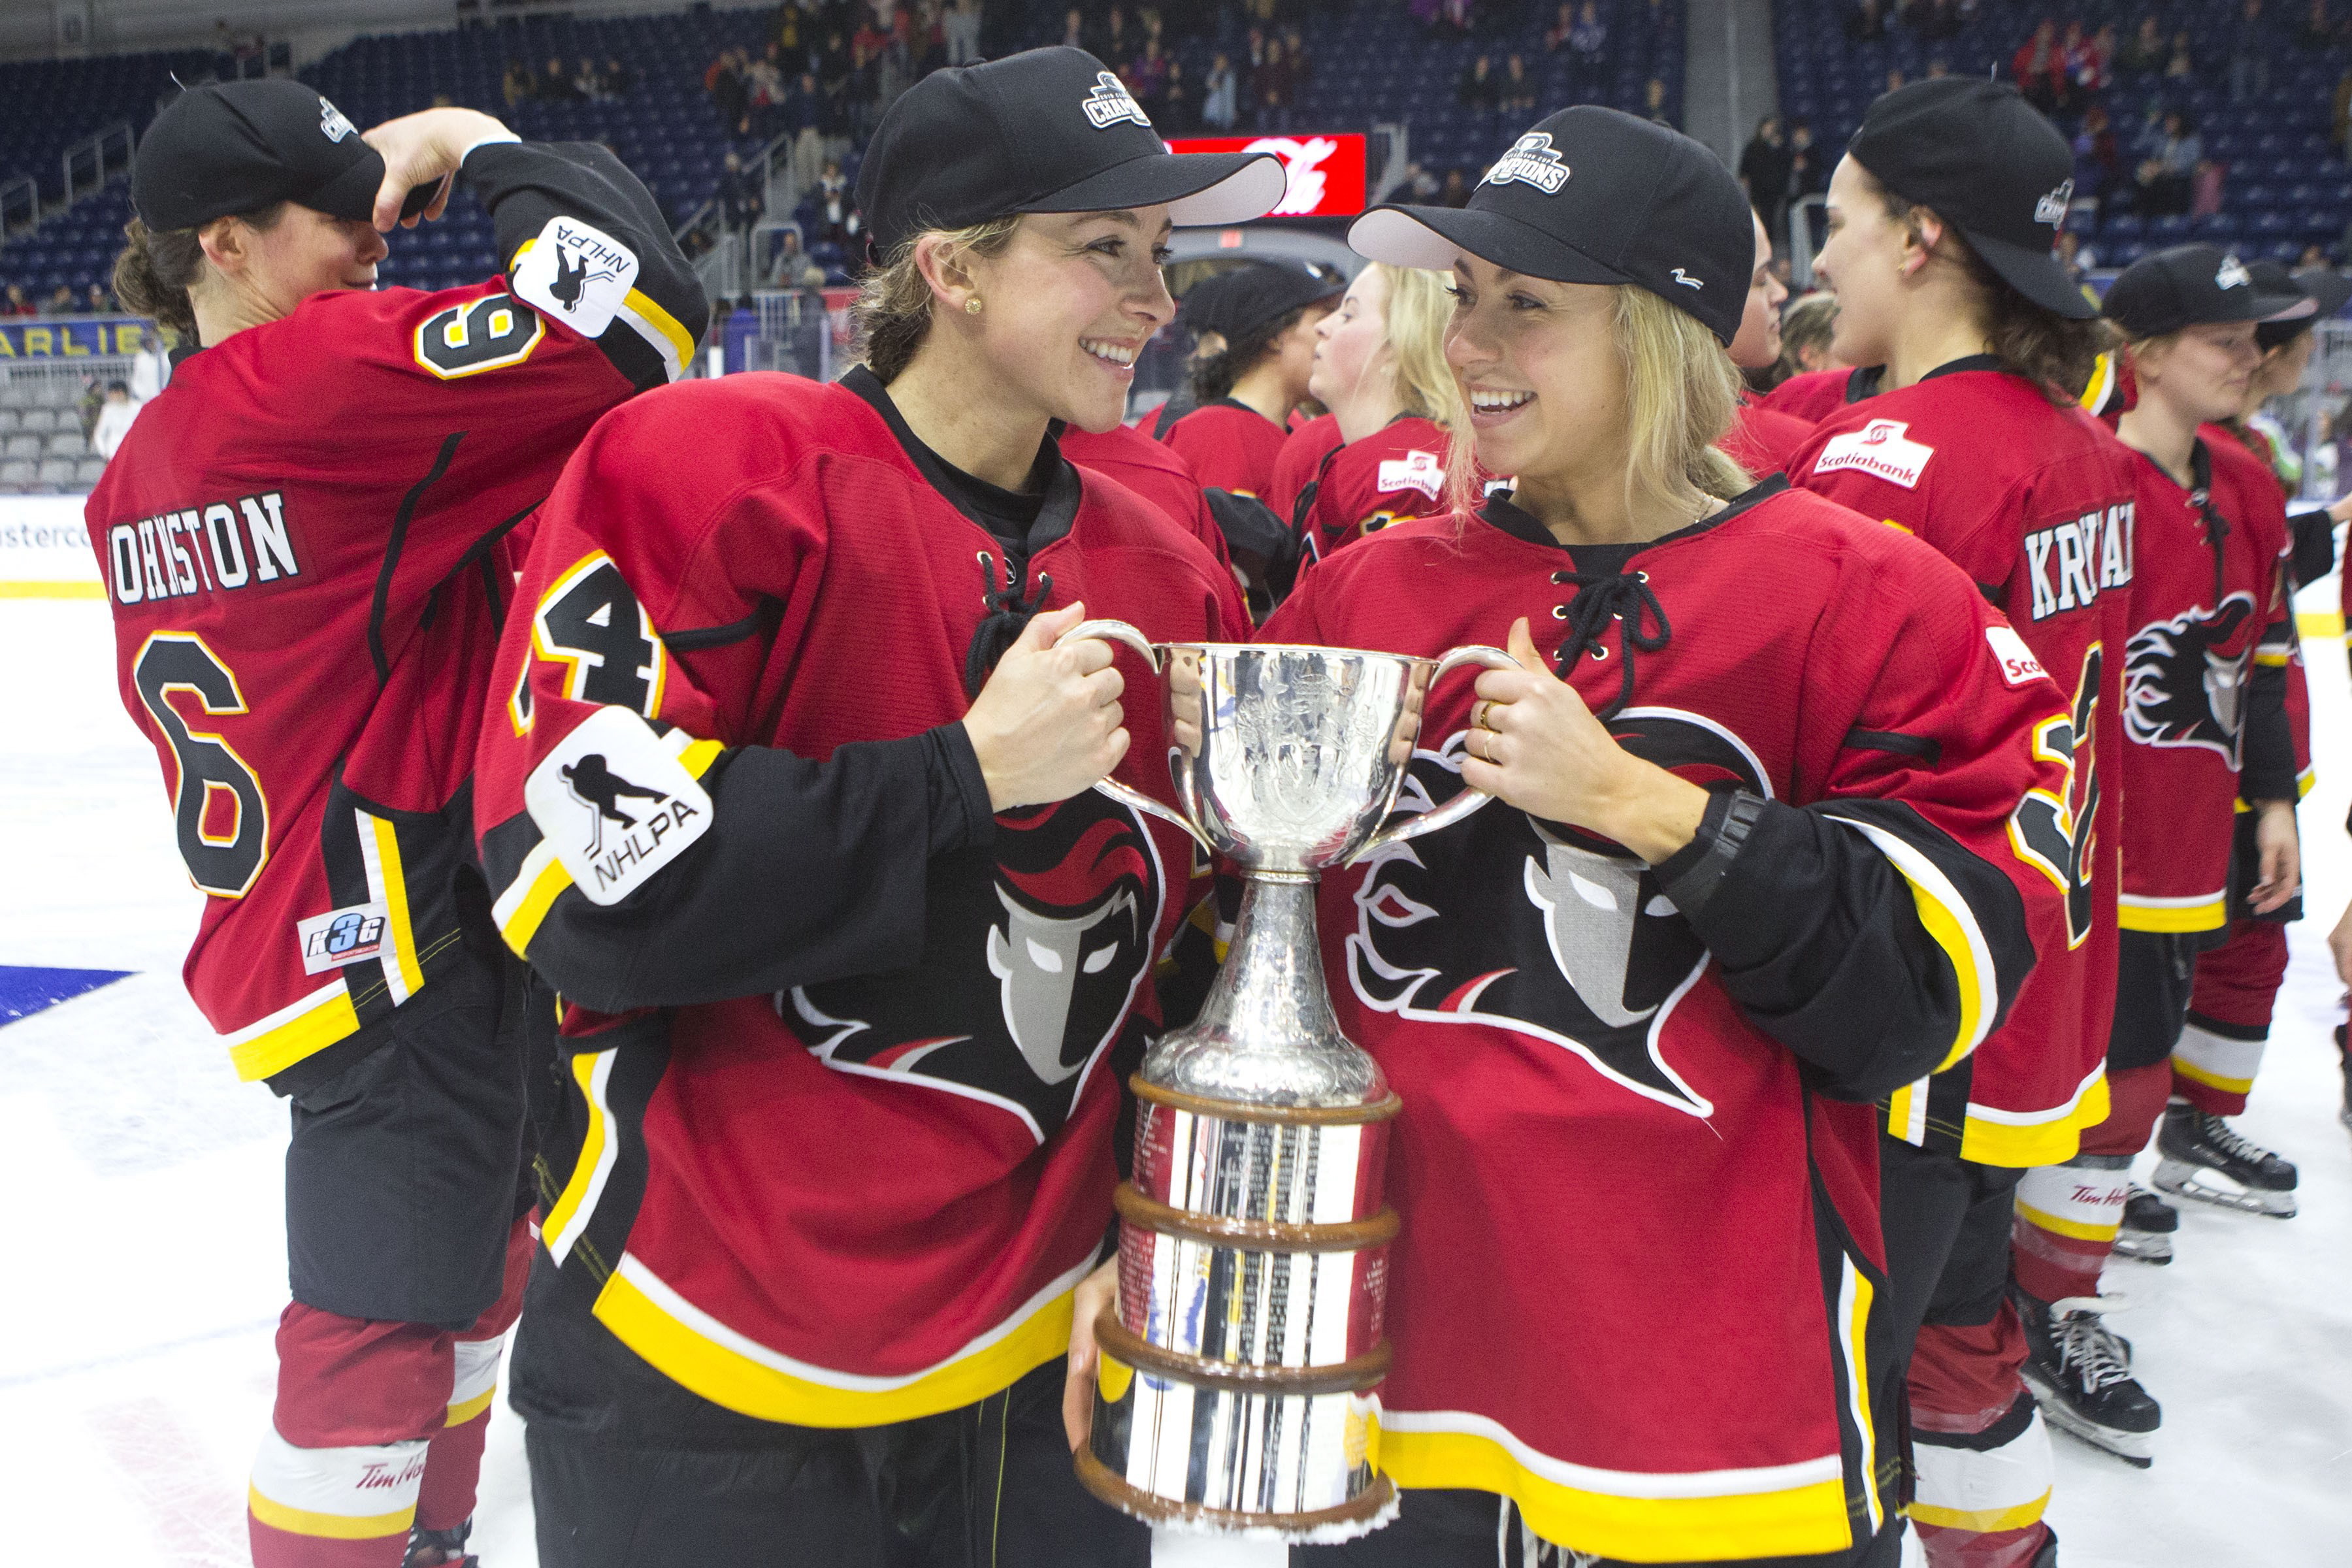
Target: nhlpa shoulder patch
x=616 y=803
x=576 y=274
x=1416 y=470
x=2017 y=662
x=1880 y=448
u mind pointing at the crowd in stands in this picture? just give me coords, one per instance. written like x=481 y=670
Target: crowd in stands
x=62 y=301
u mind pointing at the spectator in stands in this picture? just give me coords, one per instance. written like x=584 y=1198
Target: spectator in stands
x=1939 y=69
x=1147 y=77
x=1764 y=168
x=2146 y=54
x=961 y=27
x=1517 y=94
x=619 y=80
x=2205 y=183
x=1587 y=43
x=62 y=302
x=17 y=304
x=2097 y=156
x=739 y=198
x=2318 y=33
x=2098 y=71
x=1074 y=31
x=586 y=84
x=2165 y=179
x=1218 y=95
x=1556 y=36
x=2250 y=43
x=1654 y=104
x=518 y=84
x=98 y=302
x=2180 y=67
x=1477 y=89
x=555 y=83
x=1938 y=21
x=1865 y=22
x=1116 y=43
x=1273 y=87
x=803 y=119
x=2313 y=256
x=1807 y=174
x=724 y=82
x=2039 y=68
x=837 y=221
x=114 y=417
x=1302 y=64
x=1455 y=191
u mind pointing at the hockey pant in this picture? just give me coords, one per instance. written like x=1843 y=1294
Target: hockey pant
x=630 y=1471
x=1979 y=1457
x=2067 y=1215
x=404 y=1182
x=1451 y=1529
x=2220 y=1048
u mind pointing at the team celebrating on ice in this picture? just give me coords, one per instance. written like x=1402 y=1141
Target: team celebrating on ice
x=673 y=897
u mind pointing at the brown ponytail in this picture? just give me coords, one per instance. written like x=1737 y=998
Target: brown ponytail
x=154 y=272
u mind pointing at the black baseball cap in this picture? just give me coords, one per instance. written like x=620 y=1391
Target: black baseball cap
x=233 y=146
x=1240 y=301
x=1990 y=167
x=2327 y=289
x=2197 y=286
x=1592 y=196
x=1047 y=130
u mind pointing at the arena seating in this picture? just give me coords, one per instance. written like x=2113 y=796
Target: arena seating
x=45 y=106
x=2284 y=186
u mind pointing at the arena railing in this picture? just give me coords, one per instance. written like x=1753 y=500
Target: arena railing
x=97 y=158
x=20 y=204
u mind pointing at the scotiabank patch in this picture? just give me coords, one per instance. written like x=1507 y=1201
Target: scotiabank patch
x=1881 y=449
x=2017 y=662
x=1416 y=470
x=616 y=804
x=577 y=275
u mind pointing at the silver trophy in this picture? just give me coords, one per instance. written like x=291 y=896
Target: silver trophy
x=1239 y=1370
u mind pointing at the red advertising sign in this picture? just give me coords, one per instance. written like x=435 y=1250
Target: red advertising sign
x=1327 y=172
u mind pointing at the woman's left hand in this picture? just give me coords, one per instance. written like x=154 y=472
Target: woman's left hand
x=2280 y=856
x=1096 y=1292
x=1535 y=743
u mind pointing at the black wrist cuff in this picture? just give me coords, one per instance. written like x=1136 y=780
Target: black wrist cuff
x=1691 y=875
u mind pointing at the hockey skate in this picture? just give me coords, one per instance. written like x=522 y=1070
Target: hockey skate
x=440 y=1547
x=2081 y=1373
x=2205 y=1159
x=2344 y=1053
x=2145 y=1234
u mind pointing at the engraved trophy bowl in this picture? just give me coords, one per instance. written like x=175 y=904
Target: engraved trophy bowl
x=1240 y=1367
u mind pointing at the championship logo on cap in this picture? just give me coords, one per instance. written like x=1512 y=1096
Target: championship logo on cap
x=1109 y=103
x=2052 y=208
x=332 y=121
x=1531 y=161
x=2233 y=275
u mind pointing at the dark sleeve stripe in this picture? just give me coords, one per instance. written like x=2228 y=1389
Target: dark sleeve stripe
x=763 y=619
x=1926 y=749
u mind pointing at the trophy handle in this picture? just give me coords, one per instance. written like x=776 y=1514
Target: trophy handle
x=1121 y=632
x=1468 y=800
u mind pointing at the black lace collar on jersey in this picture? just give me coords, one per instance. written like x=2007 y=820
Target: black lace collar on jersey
x=1966 y=362
x=1049 y=512
x=1863 y=382
x=1606 y=590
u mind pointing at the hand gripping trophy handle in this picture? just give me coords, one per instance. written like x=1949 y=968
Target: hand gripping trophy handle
x=1240 y=1370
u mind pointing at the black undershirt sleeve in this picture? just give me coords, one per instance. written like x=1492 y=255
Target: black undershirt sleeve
x=2312 y=545
x=809 y=871
x=2268 y=771
x=1817 y=939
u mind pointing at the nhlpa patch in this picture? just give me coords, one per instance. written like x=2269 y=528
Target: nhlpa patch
x=1416 y=470
x=616 y=804
x=350 y=935
x=1879 y=448
x=2017 y=662
x=576 y=274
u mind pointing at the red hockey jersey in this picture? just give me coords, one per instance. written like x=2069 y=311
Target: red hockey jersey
x=1761 y=440
x=848 y=1106
x=1229 y=445
x=2207 y=591
x=1394 y=473
x=1640 y=1256
x=1818 y=393
x=1153 y=470
x=302 y=539
x=1295 y=466
x=2033 y=502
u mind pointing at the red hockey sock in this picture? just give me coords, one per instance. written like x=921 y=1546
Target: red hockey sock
x=2221 y=1050
x=1977 y=1447
x=453 y=1463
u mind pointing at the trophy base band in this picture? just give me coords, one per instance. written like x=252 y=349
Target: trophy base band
x=1359 y=1515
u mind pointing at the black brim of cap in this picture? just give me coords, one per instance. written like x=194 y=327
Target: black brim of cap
x=1200 y=189
x=351 y=193
x=2036 y=274
x=1434 y=237
x=2330 y=291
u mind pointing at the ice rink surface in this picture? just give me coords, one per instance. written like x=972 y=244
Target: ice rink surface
x=146 y=1262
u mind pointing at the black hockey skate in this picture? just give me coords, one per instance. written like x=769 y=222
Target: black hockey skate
x=2081 y=1373
x=2205 y=1159
x=2145 y=1234
x=440 y=1547
x=2345 y=1052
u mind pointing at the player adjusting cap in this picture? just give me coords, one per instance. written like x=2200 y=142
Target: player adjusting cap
x=1989 y=165
x=1047 y=130
x=234 y=146
x=1592 y=196
x=2327 y=289
x=2196 y=286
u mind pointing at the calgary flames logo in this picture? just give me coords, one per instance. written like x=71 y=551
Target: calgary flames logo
x=2179 y=689
x=1057 y=930
x=1538 y=929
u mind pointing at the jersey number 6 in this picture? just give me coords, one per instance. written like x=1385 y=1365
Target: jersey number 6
x=217 y=806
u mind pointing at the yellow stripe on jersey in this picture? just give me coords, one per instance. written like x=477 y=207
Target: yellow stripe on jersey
x=381 y=847
x=1952 y=926
x=1854 y=1295
x=700 y=1353
x=2020 y=1140
x=1791 y=1511
x=2057 y=1225
x=302 y=1028
x=2202 y=911
x=598 y=1149
x=328 y=1526
x=465 y=1410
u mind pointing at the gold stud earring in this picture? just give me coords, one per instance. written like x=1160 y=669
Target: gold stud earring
x=972 y=306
